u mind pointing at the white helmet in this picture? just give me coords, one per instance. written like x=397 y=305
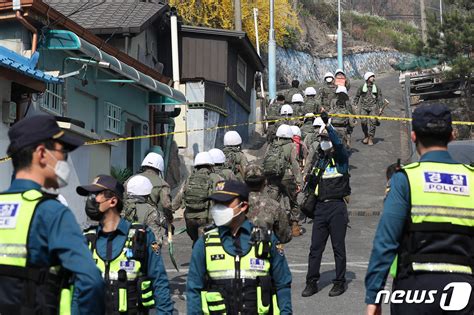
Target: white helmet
x=218 y=157
x=309 y=91
x=368 y=74
x=328 y=75
x=339 y=71
x=154 y=160
x=341 y=89
x=284 y=131
x=139 y=185
x=297 y=98
x=318 y=122
x=232 y=138
x=296 y=131
x=286 y=110
x=203 y=158
x=308 y=115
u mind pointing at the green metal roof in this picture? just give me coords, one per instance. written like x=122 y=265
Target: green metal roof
x=67 y=40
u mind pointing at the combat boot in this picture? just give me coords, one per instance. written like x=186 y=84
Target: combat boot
x=370 y=141
x=295 y=229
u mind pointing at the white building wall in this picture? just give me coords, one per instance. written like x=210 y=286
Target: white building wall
x=6 y=168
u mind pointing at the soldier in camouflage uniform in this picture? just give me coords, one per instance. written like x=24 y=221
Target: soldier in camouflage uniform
x=340 y=79
x=218 y=157
x=283 y=173
x=194 y=193
x=307 y=127
x=140 y=208
x=369 y=100
x=327 y=92
x=263 y=210
x=152 y=168
x=297 y=103
x=286 y=113
x=311 y=102
x=235 y=158
x=342 y=105
x=295 y=89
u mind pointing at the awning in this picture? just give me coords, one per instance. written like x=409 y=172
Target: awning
x=67 y=40
x=11 y=60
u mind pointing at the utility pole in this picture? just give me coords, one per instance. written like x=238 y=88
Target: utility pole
x=271 y=55
x=340 y=62
x=441 y=12
x=257 y=45
x=237 y=15
x=423 y=21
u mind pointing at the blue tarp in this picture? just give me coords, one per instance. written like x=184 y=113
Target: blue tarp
x=11 y=60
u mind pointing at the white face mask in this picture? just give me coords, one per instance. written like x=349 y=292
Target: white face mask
x=62 y=171
x=326 y=145
x=223 y=215
x=328 y=80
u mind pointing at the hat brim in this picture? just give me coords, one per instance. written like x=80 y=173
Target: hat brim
x=87 y=189
x=71 y=142
x=220 y=197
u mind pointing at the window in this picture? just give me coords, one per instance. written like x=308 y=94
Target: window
x=113 y=123
x=52 y=99
x=241 y=73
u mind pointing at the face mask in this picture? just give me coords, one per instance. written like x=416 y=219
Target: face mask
x=61 y=170
x=328 y=80
x=326 y=145
x=92 y=208
x=222 y=214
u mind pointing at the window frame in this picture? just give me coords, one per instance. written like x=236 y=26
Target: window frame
x=241 y=61
x=115 y=116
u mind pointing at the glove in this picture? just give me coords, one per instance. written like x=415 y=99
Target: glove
x=325 y=117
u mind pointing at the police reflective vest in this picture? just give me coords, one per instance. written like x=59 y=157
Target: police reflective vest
x=24 y=286
x=127 y=288
x=333 y=185
x=237 y=284
x=439 y=236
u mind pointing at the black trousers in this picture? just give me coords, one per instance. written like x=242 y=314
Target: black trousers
x=194 y=227
x=434 y=281
x=330 y=219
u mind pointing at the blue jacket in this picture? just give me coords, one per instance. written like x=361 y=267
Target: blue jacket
x=389 y=232
x=279 y=269
x=155 y=269
x=341 y=157
x=55 y=238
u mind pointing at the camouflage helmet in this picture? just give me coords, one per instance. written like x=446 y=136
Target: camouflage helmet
x=254 y=173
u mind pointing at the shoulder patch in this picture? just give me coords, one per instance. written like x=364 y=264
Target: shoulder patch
x=155 y=247
x=280 y=249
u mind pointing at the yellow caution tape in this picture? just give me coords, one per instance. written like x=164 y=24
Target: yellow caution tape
x=119 y=139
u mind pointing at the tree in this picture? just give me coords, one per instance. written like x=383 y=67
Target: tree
x=453 y=41
x=220 y=14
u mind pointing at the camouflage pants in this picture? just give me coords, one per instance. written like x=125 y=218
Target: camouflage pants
x=368 y=125
x=195 y=227
x=285 y=190
x=157 y=224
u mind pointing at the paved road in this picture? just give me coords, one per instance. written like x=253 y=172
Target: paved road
x=359 y=244
x=368 y=166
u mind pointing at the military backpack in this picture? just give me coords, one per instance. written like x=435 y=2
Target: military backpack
x=274 y=163
x=199 y=187
x=232 y=158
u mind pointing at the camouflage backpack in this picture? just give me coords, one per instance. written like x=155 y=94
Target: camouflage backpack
x=199 y=186
x=273 y=162
x=232 y=158
x=338 y=108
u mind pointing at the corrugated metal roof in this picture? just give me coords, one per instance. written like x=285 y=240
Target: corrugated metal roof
x=11 y=60
x=114 y=15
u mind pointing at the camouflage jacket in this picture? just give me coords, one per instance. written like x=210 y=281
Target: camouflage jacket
x=311 y=105
x=240 y=160
x=266 y=212
x=326 y=93
x=224 y=172
x=141 y=209
x=369 y=97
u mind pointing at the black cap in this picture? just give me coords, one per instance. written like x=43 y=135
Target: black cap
x=101 y=183
x=229 y=190
x=432 y=119
x=39 y=128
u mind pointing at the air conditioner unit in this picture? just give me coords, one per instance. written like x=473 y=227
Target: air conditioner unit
x=8 y=112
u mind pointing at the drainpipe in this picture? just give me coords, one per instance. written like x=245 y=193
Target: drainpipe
x=174 y=47
x=31 y=28
x=127 y=43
